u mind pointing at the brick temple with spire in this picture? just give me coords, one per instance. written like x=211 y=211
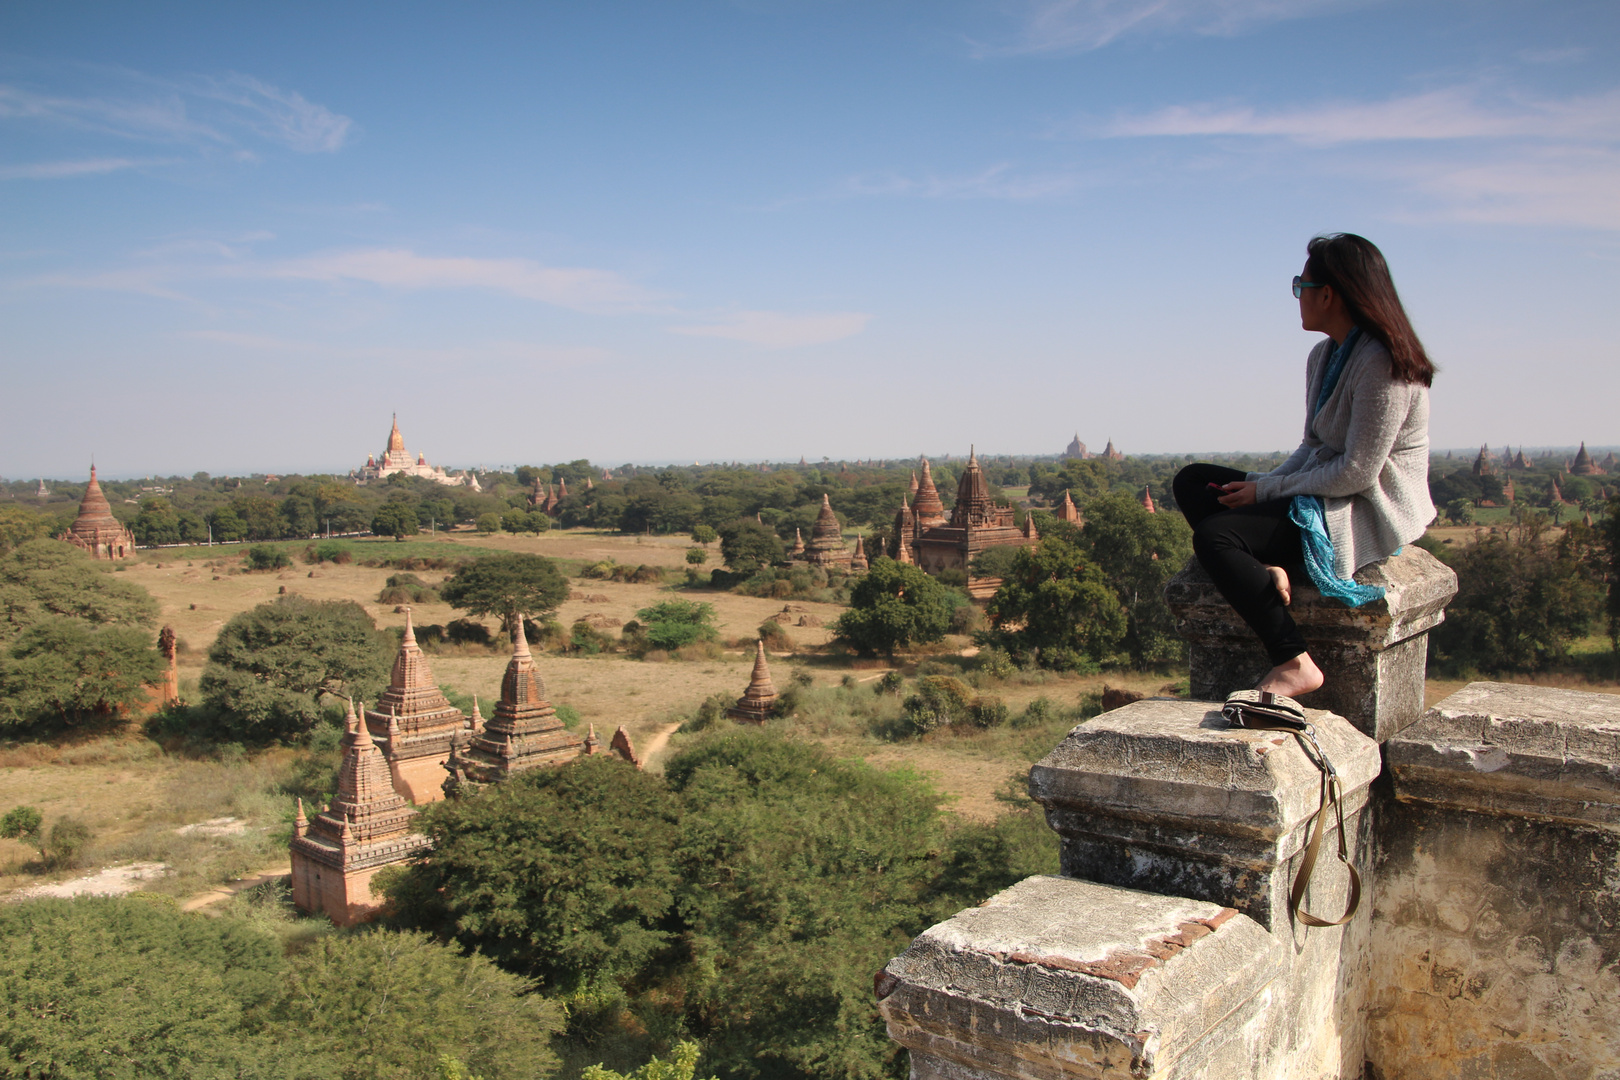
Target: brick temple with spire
x=523 y=733
x=396 y=459
x=925 y=535
x=759 y=699
x=95 y=531
x=415 y=723
x=367 y=826
x=826 y=547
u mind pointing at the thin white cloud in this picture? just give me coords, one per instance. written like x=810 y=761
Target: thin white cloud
x=1070 y=26
x=579 y=288
x=203 y=111
x=1560 y=186
x=522 y=354
x=59 y=170
x=1453 y=113
x=780 y=330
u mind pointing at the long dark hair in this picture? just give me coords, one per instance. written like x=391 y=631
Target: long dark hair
x=1356 y=269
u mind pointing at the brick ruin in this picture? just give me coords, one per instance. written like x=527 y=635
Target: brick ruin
x=1485 y=829
x=367 y=826
x=95 y=531
x=759 y=698
x=826 y=547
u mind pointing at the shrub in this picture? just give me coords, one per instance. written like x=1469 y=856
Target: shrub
x=894 y=604
x=24 y=823
x=587 y=639
x=775 y=636
x=489 y=523
x=333 y=552
x=988 y=712
x=1036 y=712
x=468 y=632
x=696 y=556
x=267 y=557
x=675 y=623
x=406 y=589
x=704 y=534
x=891 y=683
x=940 y=700
x=996 y=664
x=67 y=841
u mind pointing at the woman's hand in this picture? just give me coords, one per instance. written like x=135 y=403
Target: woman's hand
x=1238 y=493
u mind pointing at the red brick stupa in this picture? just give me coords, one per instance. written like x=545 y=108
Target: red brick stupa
x=524 y=733
x=367 y=826
x=826 y=547
x=95 y=531
x=759 y=700
x=417 y=724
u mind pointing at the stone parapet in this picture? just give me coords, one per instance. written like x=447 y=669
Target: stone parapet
x=1527 y=751
x=1056 y=979
x=1162 y=795
x=1497 y=916
x=1373 y=656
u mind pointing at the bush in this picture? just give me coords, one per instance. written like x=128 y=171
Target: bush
x=468 y=632
x=267 y=557
x=775 y=636
x=988 y=712
x=994 y=663
x=587 y=639
x=1037 y=712
x=406 y=589
x=67 y=841
x=892 y=605
x=676 y=623
x=333 y=552
x=696 y=556
x=704 y=534
x=940 y=700
x=489 y=523
x=25 y=824
x=890 y=683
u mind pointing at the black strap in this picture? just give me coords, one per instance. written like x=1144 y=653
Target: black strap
x=1330 y=793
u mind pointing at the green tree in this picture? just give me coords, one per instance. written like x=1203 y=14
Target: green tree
x=72 y=670
x=508 y=584
x=47 y=577
x=564 y=875
x=682 y=1065
x=1521 y=599
x=515 y=521
x=226 y=525
x=1611 y=535
x=18 y=525
x=271 y=664
x=1138 y=553
x=25 y=824
x=489 y=523
x=389 y=1005
x=267 y=557
x=704 y=534
x=394 y=519
x=675 y=623
x=1055 y=608
x=894 y=604
x=747 y=545
x=696 y=556
x=157 y=523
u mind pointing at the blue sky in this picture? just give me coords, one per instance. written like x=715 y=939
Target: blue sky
x=238 y=237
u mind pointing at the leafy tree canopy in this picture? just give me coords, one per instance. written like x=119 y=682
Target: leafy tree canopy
x=747 y=545
x=507 y=584
x=892 y=605
x=1056 y=607
x=394 y=519
x=1138 y=553
x=675 y=623
x=270 y=665
x=47 y=577
x=70 y=669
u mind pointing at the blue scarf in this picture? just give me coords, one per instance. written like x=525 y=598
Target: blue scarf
x=1308 y=512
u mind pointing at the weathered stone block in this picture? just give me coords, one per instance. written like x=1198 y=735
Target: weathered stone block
x=1373 y=656
x=1162 y=795
x=1497 y=911
x=1056 y=978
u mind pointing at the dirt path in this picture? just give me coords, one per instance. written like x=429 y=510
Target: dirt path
x=225 y=892
x=656 y=744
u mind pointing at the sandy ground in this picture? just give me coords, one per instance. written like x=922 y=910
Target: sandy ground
x=113 y=881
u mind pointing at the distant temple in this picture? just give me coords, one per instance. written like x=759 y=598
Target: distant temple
x=523 y=734
x=1110 y=454
x=43 y=492
x=1485 y=463
x=95 y=531
x=759 y=699
x=1583 y=465
x=1076 y=448
x=367 y=826
x=396 y=459
x=416 y=723
x=826 y=546
x=925 y=536
x=1067 y=511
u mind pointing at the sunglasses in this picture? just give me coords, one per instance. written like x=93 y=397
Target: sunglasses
x=1300 y=285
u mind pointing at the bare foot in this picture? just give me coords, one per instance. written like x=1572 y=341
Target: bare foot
x=1295 y=678
x=1285 y=588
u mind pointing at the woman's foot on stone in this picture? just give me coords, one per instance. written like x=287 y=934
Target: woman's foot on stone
x=1293 y=678
x=1285 y=588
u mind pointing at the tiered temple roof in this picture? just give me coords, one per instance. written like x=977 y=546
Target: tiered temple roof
x=926 y=506
x=417 y=722
x=976 y=523
x=1147 y=499
x=367 y=826
x=396 y=459
x=1110 y=454
x=857 y=562
x=524 y=733
x=798 y=544
x=826 y=547
x=95 y=531
x=1069 y=512
x=1485 y=463
x=757 y=702
x=1076 y=448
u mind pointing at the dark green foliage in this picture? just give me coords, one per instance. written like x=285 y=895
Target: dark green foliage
x=72 y=670
x=704 y=534
x=1521 y=599
x=267 y=557
x=1055 y=608
x=587 y=639
x=677 y=623
x=271 y=664
x=66 y=842
x=1610 y=531
x=468 y=632
x=988 y=712
x=394 y=519
x=507 y=584
x=747 y=545
x=131 y=988
x=894 y=604
x=388 y=1005
x=940 y=700
x=775 y=636
x=696 y=556
x=1138 y=553
x=48 y=577
x=26 y=824
x=406 y=589
x=561 y=874
x=18 y=525
x=890 y=683
x=489 y=523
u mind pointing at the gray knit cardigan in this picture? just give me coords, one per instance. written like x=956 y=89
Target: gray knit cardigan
x=1366 y=454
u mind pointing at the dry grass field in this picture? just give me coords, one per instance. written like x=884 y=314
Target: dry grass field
x=136 y=797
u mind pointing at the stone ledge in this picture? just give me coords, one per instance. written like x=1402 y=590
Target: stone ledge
x=1060 y=978
x=1524 y=751
x=1163 y=795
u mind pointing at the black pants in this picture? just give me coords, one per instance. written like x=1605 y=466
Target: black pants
x=1236 y=546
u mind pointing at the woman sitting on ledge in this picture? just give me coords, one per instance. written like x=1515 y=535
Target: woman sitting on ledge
x=1356 y=490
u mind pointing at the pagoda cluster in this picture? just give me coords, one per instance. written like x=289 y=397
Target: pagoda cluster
x=396 y=757
x=926 y=536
